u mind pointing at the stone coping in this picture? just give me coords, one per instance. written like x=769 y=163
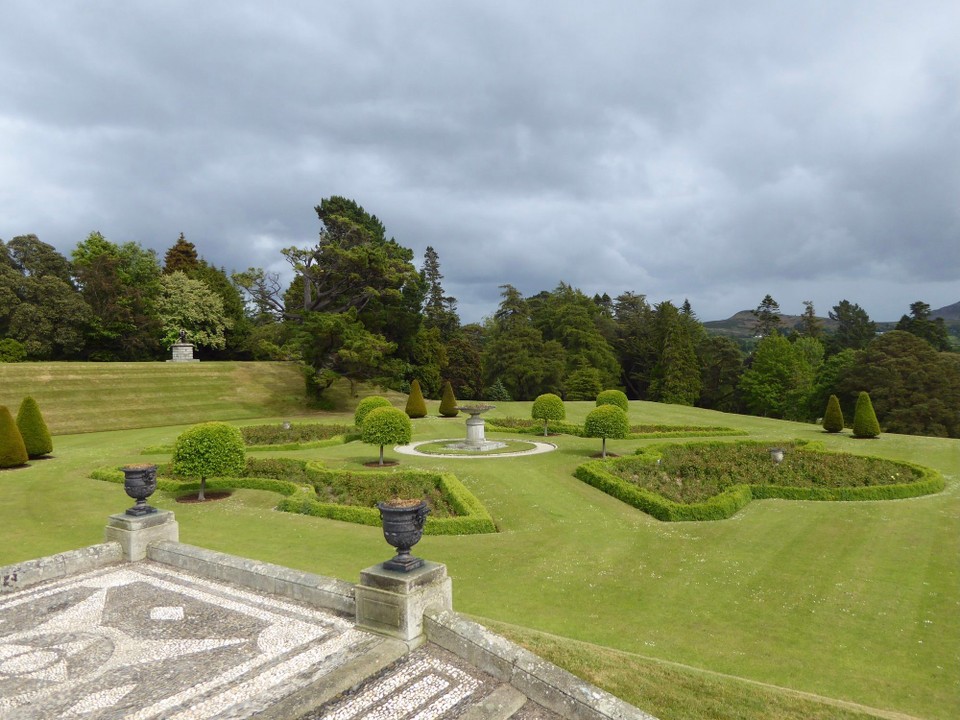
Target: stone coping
x=541 y=681
x=55 y=567
x=411 y=449
x=317 y=590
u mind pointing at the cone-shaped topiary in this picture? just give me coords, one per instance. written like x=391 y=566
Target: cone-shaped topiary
x=416 y=407
x=33 y=430
x=548 y=407
x=448 y=401
x=865 y=423
x=606 y=421
x=833 y=416
x=386 y=426
x=366 y=405
x=208 y=450
x=12 y=450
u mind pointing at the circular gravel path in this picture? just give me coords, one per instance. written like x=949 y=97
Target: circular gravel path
x=538 y=449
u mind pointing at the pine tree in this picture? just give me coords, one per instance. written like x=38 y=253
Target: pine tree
x=768 y=316
x=833 y=416
x=448 y=402
x=416 y=406
x=439 y=310
x=12 y=450
x=865 y=423
x=33 y=430
x=182 y=256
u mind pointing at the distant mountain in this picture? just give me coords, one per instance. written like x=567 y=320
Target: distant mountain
x=741 y=325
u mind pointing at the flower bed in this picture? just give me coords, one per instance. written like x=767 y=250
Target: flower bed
x=712 y=481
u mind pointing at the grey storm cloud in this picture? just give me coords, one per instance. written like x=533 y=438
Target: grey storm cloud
x=710 y=151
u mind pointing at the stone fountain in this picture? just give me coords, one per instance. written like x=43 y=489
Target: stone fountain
x=476 y=441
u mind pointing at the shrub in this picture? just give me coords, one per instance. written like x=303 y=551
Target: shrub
x=606 y=421
x=613 y=397
x=416 y=407
x=12 y=351
x=207 y=450
x=366 y=405
x=12 y=450
x=865 y=423
x=584 y=383
x=833 y=416
x=448 y=401
x=386 y=425
x=33 y=430
x=498 y=392
x=548 y=407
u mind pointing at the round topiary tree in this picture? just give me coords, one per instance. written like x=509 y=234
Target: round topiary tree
x=366 y=405
x=416 y=407
x=865 y=423
x=548 y=407
x=448 y=402
x=606 y=421
x=833 y=416
x=386 y=426
x=207 y=450
x=33 y=430
x=12 y=450
x=613 y=397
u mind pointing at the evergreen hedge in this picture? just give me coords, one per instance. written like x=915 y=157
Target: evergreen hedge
x=833 y=416
x=614 y=397
x=448 y=401
x=12 y=450
x=33 y=430
x=416 y=407
x=865 y=423
x=734 y=498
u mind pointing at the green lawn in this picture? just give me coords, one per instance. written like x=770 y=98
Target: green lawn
x=856 y=602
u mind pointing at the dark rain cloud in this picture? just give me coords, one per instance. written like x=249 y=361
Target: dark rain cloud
x=687 y=149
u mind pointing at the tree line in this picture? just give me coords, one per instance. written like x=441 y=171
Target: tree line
x=359 y=308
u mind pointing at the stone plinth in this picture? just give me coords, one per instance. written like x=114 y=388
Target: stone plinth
x=135 y=533
x=182 y=352
x=392 y=603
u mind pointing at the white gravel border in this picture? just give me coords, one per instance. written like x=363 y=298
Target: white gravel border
x=411 y=449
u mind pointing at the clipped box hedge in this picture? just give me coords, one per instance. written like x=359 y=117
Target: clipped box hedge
x=732 y=499
x=300 y=493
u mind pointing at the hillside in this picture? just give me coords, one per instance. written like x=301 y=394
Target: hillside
x=741 y=325
x=89 y=397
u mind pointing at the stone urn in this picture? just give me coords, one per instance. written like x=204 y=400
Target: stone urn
x=140 y=481
x=403 y=522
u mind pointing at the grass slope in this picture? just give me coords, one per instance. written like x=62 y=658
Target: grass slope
x=89 y=397
x=851 y=601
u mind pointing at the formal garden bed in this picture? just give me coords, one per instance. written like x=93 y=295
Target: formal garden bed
x=284 y=436
x=310 y=489
x=712 y=481
x=637 y=432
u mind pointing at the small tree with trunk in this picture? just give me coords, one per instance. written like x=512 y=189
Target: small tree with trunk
x=865 y=424
x=372 y=402
x=209 y=450
x=613 y=397
x=833 y=416
x=386 y=426
x=606 y=421
x=548 y=407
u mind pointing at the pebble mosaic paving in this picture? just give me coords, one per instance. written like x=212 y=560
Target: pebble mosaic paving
x=144 y=641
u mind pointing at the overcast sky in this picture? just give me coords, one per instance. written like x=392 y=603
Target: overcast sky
x=702 y=150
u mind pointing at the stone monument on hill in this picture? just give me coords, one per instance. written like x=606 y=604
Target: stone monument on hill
x=182 y=350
